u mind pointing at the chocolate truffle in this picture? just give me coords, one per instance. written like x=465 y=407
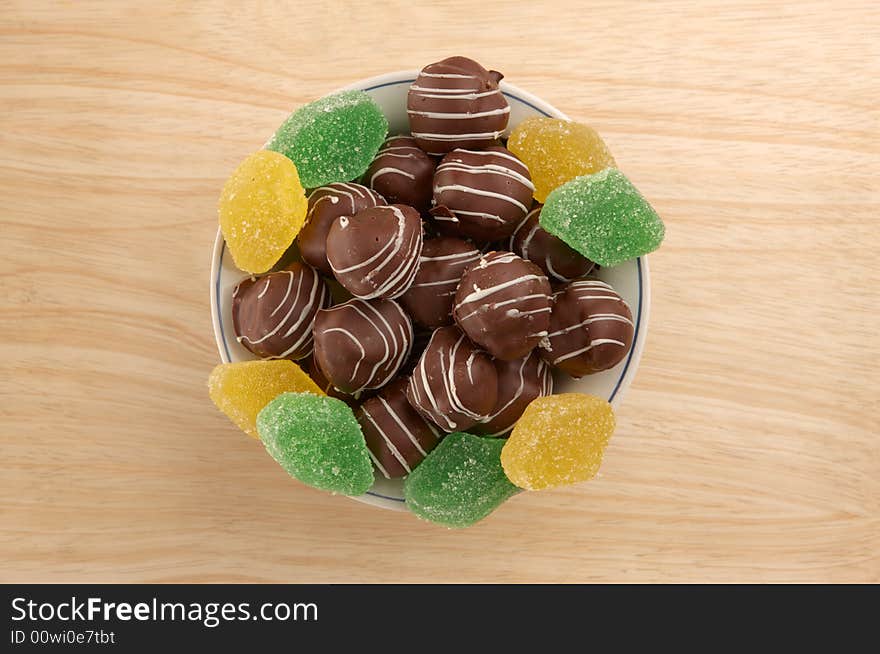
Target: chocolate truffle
x=591 y=328
x=402 y=173
x=361 y=344
x=272 y=315
x=503 y=305
x=454 y=385
x=375 y=253
x=456 y=103
x=396 y=434
x=429 y=300
x=551 y=254
x=310 y=365
x=326 y=204
x=481 y=194
x=519 y=382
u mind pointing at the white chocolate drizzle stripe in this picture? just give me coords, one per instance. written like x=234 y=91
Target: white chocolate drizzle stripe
x=390 y=170
x=596 y=317
x=598 y=341
x=478 y=136
x=480 y=192
x=412 y=437
x=472 y=254
x=447 y=75
x=353 y=340
x=480 y=294
x=438 y=93
x=378 y=465
x=487 y=169
x=450 y=115
x=388 y=442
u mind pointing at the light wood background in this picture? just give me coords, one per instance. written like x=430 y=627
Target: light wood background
x=748 y=448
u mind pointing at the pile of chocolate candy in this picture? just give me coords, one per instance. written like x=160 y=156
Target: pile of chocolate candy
x=408 y=311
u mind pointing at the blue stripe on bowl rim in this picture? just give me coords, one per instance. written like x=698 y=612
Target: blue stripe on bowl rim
x=638 y=265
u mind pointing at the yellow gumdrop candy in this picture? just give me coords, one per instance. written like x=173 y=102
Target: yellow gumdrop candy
x=559 y=440
x=262 y=208
x=241 y=390
x=556 y=151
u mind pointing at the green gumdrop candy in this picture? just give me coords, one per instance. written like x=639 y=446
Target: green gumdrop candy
x=604 y=217
x=317 y=440
x=460 y=482
x=333 y=139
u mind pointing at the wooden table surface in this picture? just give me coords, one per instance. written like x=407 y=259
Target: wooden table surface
x=748 y=447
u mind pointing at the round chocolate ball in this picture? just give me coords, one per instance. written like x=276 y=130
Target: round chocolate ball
x=591 y=329
x=310 y=365
x=552 y=255
x=398 y=437
x=444 y=260
x=273 y=315
x=360 y=345
x=519 y=382
x=375 y=253
x=482 y=195
x=402 y=173
x=503 y=304
x=456 y=103
x=326 y=204
x=454 y=385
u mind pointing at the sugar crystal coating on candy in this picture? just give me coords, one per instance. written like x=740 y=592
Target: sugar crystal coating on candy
x=318 y=441
x=559 y=440
x=272 y=315
x=557 y=151
x=460 y=482
x=262 y=208
x=332 y=139
x=604 y=217
x=241 y=390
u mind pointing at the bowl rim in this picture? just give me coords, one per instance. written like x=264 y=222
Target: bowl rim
x=644 y=276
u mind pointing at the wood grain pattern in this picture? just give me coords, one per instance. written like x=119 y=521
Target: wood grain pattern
x=748 y=448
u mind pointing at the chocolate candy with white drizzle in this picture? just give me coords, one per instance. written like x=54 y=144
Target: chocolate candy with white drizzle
x=398 y=437
x=444 y=259
x=375 y=253
x=456 y=103
x=552 y=255
x=402 y=173
x=503 y=304
x=591 y=328
x=272 y=315
x=454 y=385
x=362 y=344
x=482 y=195
x=326 y=204
x=519 y=382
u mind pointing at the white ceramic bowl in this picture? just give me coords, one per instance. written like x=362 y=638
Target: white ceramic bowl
x=631 y=279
